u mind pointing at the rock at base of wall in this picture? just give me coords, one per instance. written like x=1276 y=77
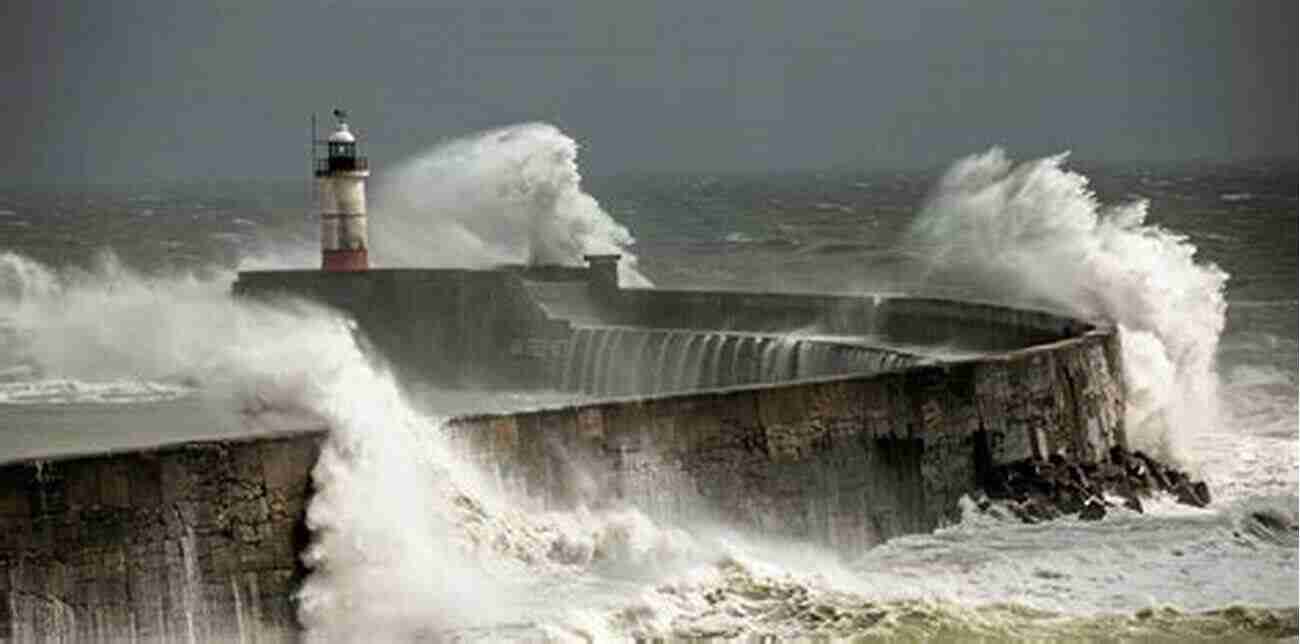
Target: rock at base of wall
x=1040 y=490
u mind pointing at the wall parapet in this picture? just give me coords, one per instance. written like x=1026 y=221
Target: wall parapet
x=505 y=328
x=197 y=541
x=846 y=461
x=201 y=540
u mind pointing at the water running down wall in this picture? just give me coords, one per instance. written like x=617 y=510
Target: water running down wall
x=625 y=361
x=201 y=542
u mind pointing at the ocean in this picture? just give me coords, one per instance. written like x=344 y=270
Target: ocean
x=116 y=330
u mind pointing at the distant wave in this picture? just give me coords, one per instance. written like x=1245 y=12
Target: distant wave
x=744 y=238
x=1247 y=304
x=19 y=372
x=1236 y=196
x=68 y=392
x=830 y=206
x=838 y=248
x=1218 y=237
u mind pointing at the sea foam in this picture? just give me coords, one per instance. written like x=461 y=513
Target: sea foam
x=509 y=195
x=1035 y=231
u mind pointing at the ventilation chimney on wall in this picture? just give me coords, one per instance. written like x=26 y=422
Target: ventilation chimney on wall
x=602 y=274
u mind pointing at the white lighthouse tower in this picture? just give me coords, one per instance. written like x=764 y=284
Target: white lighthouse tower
x=341 y=193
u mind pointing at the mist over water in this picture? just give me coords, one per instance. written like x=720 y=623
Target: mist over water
x=1035 y=231
x=163 y=337
x=410 y=540
x=511 y=195
x=613 y=572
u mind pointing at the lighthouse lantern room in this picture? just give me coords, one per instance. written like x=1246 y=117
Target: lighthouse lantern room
x=341 y=199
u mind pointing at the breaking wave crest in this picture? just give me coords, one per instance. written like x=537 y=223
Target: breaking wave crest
x=111 y=334
x=63 y=391
x=410 y=540
x=512 y=195
x=406 y=534
x=1035 y=231
x=751 y=602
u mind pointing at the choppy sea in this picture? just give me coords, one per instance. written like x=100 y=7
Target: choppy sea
x=116 y=330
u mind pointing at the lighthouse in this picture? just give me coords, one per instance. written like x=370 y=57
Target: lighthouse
x=341 y=200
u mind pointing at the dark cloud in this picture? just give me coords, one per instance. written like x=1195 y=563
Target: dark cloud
x=113 y=91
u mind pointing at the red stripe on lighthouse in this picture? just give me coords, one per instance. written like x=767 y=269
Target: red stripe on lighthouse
x=343 y=261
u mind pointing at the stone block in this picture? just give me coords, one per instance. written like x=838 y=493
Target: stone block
x=80 y=484
x=287 y=463
x=15 y=483
x=504 y=431
x=278 y=549
x=175 y=477
x=15 y=534
x=145 y=481
x=114 y=482
x=591 y=424
x=784 y=406
x=626 y=424
x=245 y=466
x=845 y=462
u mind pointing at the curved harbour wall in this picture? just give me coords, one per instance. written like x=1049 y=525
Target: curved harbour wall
x=847 y=462
x=200 y=542
x=514 y=327
x=193 y=542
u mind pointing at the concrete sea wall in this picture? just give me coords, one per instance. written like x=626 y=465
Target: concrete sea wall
x=517 y=327
x=196 y=542
x=448 y=326
x=846 y=462
x=638 y=361
x=892 y=320
x=200 y=542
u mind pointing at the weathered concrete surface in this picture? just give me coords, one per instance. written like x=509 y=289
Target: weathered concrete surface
x=200 y=541
x=846 y=462
x=515 y=326
x=894 y=320
x=197 y=542
x=449 y=326
x=641 y=361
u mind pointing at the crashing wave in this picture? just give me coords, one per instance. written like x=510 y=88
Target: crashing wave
x=1035 y=231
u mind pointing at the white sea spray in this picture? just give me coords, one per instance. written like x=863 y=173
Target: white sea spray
x=412 y=541
x=1035 y=231
x=509 y=195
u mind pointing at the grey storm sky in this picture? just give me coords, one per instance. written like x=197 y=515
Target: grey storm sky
x=125 y=90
